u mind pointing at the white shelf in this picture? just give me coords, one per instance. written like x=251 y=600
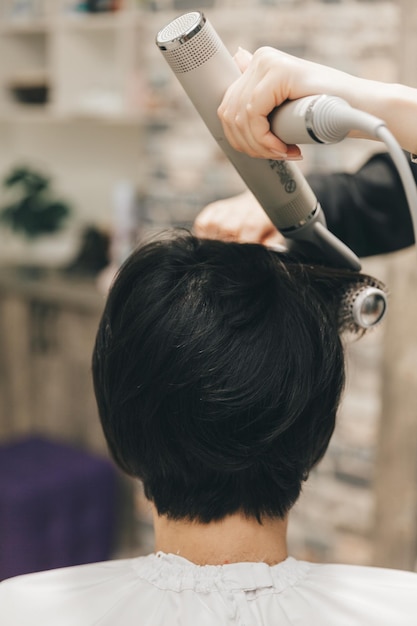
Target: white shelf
x=25 y=26
x=22 y=114
x=47 y=114
x=99 y=21
x=44 y=115
x=71 y=20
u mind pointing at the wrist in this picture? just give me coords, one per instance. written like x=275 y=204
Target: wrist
x=395 y=104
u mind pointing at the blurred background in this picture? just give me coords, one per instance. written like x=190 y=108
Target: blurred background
x=99 y=147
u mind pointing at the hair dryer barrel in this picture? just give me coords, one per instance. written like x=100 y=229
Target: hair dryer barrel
x=206 y=69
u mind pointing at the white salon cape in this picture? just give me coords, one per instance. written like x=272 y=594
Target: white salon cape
x=167 y=590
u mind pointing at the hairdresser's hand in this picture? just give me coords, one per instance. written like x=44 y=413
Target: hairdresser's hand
x=237 y=219
x=270 y=77
x=250 y=99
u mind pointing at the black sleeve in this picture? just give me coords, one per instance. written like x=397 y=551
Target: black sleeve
x=367 y=210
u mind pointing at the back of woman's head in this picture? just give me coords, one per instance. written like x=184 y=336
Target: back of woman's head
x=218 y=370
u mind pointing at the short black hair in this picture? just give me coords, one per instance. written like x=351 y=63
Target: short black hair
x=218 y=369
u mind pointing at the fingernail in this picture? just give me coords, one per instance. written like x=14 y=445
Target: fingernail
x=279 y=155
x=294 y=152
x=298 y=157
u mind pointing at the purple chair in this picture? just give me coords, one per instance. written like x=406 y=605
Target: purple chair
x=57 y=506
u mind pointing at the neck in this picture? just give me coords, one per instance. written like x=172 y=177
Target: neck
x=234 y=539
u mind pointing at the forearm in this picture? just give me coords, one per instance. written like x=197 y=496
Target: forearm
x=395 y=104
x=272 y=77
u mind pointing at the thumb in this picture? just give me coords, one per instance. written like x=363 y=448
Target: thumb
x=242 y=58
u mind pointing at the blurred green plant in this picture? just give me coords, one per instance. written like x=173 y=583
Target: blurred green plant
x=34 y=211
